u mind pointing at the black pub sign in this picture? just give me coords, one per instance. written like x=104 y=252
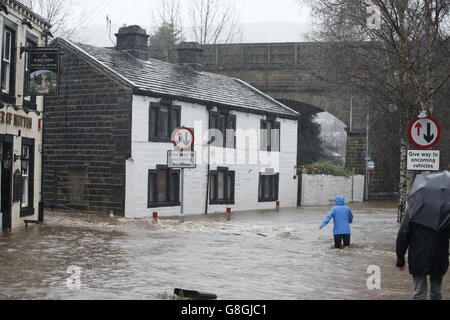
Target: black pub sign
x=43 y=71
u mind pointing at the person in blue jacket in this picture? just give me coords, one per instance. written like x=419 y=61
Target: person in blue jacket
x=342 y=217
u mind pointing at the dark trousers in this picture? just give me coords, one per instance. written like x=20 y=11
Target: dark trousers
x=338 y=238
x=421 y=287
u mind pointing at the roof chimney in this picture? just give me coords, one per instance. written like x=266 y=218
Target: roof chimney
x=190 y=53
x=134 y=40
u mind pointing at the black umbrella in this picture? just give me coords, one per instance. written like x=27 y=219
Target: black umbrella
x=429 y=200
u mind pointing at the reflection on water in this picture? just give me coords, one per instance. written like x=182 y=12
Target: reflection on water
x=259 y=255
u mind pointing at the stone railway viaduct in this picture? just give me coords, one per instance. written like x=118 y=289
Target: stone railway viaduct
x=280 y=70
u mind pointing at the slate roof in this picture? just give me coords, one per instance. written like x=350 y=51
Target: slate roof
x=154 y=77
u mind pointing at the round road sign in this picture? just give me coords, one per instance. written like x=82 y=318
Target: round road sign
x=183 y=138
x=424 y=133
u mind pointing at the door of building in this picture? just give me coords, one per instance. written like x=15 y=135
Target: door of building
x=6 y=184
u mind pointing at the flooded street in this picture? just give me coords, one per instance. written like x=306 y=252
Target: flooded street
x=259 y=255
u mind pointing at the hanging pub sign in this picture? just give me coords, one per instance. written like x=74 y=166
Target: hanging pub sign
x=43 y=71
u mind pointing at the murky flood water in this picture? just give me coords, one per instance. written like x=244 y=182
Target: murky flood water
x=260 y=255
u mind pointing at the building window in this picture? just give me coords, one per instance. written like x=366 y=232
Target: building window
x=8 y=61
x=163 y=187
x=268 y=187
x=222 y=186
x=27 y=168
x=164 y=118
x=224 y=125
x=25 y=177
x=270 y=135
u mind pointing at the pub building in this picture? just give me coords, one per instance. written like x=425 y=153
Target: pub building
x=108 y=135
x=21 y=117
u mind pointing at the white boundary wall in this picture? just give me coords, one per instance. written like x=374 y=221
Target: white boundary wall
x=323 y=189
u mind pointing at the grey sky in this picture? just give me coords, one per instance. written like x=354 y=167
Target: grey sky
x=138 y=11
x=93 y=12
x=271 y=10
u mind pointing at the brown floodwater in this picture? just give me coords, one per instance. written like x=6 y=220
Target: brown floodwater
x=258 y=255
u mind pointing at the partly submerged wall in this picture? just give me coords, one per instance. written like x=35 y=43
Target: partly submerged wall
x=323 y=189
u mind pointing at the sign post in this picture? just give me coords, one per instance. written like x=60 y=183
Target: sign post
x=183 y=158
x=424 y=133
x=182 y=197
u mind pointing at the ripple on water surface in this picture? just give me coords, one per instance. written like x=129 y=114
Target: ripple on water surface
x=259 y=255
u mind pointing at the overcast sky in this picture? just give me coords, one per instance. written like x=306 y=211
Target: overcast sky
x=138 y=11
x=93 y=12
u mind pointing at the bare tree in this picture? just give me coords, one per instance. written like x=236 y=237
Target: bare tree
x=214 y=21
x=395 y=51
x=57 y=12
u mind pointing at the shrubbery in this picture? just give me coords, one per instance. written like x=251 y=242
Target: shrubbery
x=327 y=168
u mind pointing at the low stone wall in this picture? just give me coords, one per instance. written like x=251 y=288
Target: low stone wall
x=322 y=189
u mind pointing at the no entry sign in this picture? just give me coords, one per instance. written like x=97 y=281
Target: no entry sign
x=183 y=158
x=183 y=139
x=424 y=133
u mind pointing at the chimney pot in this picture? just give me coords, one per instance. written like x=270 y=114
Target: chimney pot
x=190 y=53
x=134 y=40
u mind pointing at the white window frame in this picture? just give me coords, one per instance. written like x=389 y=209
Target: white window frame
x=7 y=62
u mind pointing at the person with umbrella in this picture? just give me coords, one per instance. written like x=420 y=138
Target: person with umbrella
x=425 y=234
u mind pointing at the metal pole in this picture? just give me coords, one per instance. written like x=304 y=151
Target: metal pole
x=353 y=185
x=351 y=114
x=182 y=197
x=366 y=189
x=208 y=174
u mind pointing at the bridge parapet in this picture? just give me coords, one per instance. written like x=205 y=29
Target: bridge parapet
x=281 y=70
x=254 y=56
x=284 y=55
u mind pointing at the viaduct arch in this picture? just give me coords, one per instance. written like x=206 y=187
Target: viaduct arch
x=280 y=70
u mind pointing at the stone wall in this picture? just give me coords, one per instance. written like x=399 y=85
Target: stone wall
x=356 y=152
x=323 y=189
x=87 y=139
x=279 y=70
x=384 y=149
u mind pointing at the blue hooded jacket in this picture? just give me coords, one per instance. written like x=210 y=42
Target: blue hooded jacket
x=342 y=217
